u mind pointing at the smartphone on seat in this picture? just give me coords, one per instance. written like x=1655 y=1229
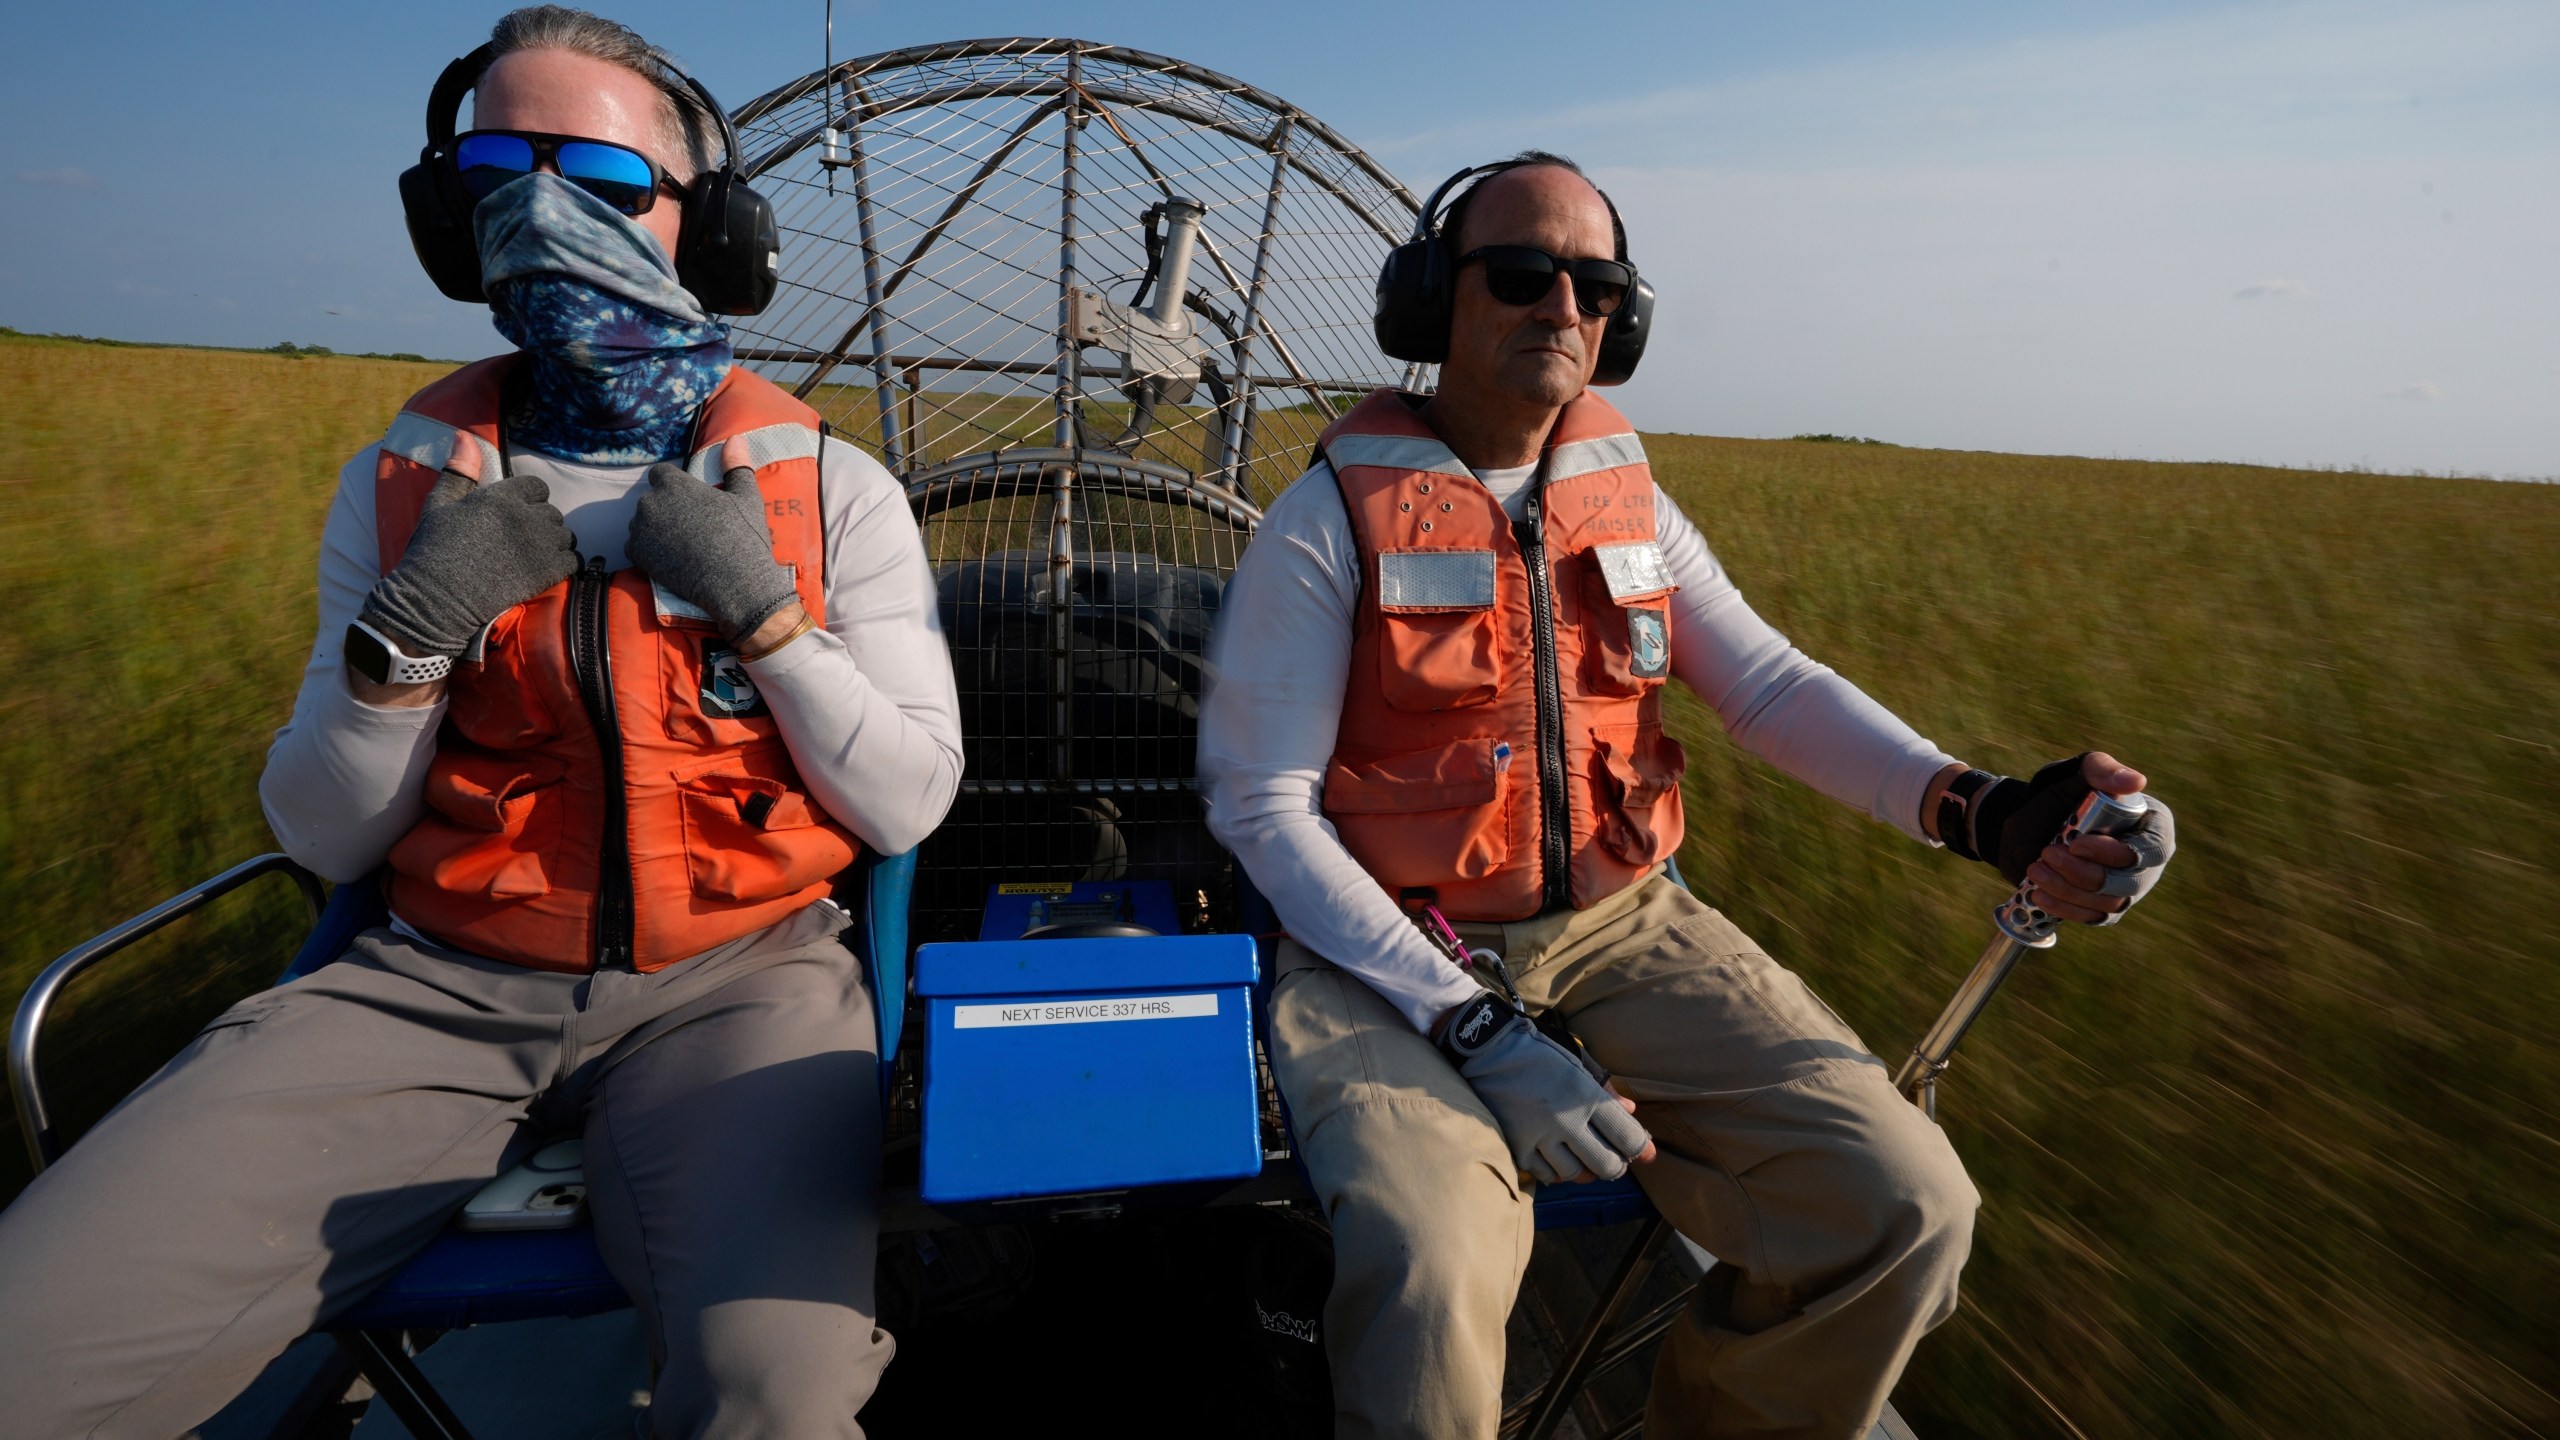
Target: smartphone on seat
x=547 y=1190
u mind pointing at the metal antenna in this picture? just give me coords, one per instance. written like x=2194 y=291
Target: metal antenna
x=833 y=153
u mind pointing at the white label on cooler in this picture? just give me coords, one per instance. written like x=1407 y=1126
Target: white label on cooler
x=1084 y=1012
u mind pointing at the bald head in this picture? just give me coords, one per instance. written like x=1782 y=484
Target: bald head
x=1533 y=190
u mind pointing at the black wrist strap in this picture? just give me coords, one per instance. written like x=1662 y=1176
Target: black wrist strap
x=1473 y=1026
x=1958 y=808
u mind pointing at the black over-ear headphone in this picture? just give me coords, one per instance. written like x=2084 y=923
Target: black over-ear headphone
x=1418 y=288
x=729 y=253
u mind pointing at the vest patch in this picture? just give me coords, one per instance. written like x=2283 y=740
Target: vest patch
x=1633 y=569
x=1648 y=644
x=728 y=691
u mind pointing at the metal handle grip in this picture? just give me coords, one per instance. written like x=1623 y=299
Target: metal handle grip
x=2024 y=921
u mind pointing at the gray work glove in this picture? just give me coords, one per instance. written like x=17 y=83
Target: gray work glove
x=711 y=546
x=479 y=551
x=2152 y=841
x=1557 y=1119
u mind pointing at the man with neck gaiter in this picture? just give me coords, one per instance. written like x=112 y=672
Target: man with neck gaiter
x=620 y=660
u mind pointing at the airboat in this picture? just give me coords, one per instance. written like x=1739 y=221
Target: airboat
x=1092 y=307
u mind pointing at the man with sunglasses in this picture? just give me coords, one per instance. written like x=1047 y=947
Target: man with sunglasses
x=1435 y=742
x=621 y=661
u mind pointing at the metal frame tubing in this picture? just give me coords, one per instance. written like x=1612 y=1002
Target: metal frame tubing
x=893 y=450
x=35 y=1120
x=840 y=352
x=1069 y=436
x=1585 y=1359
x=1237 y=435
x=1917 y=1078
x=380 y=1356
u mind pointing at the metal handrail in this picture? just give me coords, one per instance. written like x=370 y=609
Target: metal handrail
x=34 y=1121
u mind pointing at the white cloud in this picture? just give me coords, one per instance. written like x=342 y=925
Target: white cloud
x=2420 y=390
x=2283 y=289
x=69 y=177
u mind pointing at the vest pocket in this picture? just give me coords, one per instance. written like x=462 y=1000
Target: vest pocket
x=751 y=837
x=489 y=823
x=1404 y=817
x=501 y=688
x=1640 y=770
x=1626 y=646
x=1436 y=628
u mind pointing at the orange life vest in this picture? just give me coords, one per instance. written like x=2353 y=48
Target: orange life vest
x=1501 y=740
x=607 y=789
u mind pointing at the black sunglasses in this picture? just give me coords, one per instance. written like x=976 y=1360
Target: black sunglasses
x=1523 y=274
x=615 y=174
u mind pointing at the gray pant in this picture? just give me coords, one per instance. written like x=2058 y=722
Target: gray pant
x=314 y=1137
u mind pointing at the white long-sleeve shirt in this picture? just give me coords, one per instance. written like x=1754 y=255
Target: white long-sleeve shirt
x=1282 y=657
x=866 y=705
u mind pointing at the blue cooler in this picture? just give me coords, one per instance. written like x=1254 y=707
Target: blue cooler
x=1087 y=1067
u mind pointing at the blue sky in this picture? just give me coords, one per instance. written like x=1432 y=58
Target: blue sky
x=2293 y=233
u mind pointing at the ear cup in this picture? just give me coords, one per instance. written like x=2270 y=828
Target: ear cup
x=446 y=247
x=432 y=199
x=1622 y=344
x=730 y=254
x=1415 y=293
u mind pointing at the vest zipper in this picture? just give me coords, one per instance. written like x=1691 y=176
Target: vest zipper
x=1555 y=817
x=590 y=657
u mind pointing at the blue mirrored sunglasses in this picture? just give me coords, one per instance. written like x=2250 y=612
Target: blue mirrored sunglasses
x=615 y=174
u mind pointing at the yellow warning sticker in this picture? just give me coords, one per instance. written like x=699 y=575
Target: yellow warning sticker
x=1038 y=887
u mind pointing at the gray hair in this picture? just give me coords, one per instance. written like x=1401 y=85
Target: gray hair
x=688 y=128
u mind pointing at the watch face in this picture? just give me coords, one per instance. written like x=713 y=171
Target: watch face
x=366 y=655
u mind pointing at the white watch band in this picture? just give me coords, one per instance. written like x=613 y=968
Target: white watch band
x=408 y=669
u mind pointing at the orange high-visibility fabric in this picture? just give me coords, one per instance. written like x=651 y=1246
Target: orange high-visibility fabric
x=722 y=837
x=1435 y=776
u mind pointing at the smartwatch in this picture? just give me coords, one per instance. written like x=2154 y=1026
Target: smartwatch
x=371 y=654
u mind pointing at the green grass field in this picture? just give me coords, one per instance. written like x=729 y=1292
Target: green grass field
x=2277 y=1158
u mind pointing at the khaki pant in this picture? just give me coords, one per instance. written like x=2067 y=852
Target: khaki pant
x=1839 y=1212
x=314 y=1137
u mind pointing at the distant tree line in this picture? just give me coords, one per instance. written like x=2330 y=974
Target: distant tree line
x=285 y=348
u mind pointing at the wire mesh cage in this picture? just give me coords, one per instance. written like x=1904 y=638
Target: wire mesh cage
x=1093 y=306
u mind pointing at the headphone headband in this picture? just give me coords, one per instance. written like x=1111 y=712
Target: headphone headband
x=444 y=102
x=1426 y=224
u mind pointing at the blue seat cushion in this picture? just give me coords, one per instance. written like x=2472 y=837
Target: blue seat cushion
x=1601 y=1202
x=465 y=1278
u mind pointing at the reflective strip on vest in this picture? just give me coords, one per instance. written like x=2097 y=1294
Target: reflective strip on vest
x=1436 y=580
x=764 y=447
x=1581 y=457
x=1423 y=454
x=415 y=438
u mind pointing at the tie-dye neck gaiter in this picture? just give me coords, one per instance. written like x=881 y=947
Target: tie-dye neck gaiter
x=620 y=355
